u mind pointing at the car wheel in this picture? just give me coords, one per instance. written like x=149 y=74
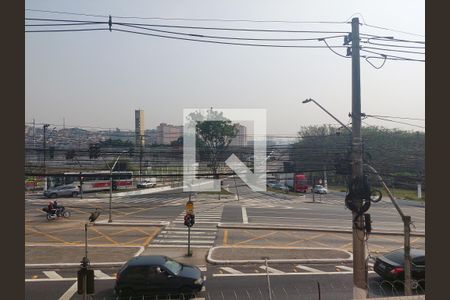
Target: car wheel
x=74 y=194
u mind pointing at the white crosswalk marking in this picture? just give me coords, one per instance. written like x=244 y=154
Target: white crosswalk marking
x=309 y=269
x=271 y=270
x=100 y=274
x=345 y=268
x=52 y=274
x=230 y=270
x=202 y=234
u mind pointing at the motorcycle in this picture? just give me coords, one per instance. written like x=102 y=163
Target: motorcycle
x=56 y=213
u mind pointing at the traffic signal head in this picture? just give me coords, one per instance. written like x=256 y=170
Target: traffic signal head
x=189 y=220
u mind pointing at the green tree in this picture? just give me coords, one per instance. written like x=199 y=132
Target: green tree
x=214 y=134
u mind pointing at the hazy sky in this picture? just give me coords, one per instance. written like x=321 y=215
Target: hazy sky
x=100 y=78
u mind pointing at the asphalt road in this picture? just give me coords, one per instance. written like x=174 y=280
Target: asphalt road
x=269 y=208
x=241 y=286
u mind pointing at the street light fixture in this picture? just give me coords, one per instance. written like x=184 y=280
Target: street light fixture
x=321 y=107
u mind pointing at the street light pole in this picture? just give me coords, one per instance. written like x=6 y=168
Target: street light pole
x=312 y=100
x=111 y=184
x=45 y=154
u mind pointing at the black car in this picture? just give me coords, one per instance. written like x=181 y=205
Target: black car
x=157 y=275
x=390 y=266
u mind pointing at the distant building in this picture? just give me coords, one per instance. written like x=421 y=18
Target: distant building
x=139 y=127
x=241 y=137
x=150 y=136
x=166 y=133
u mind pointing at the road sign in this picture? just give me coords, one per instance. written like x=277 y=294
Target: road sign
x=190 y=208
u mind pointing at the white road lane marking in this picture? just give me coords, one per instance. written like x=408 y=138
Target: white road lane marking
x=100 y=274
x=244 y=215
x=285 y=274
x=271 y=270
x=70 y=292
x=52 y=274
x=231 y=270
x=309 y=269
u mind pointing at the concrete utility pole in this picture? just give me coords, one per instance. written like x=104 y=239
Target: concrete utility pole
x=359 y=256
x=45 y=148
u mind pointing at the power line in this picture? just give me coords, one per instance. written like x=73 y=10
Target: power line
x=393 y=30
x=64 y=24
x=227 y=37
x=223 y=43
x=404 y=123
x=67 y=30
x=392 y=45
x=392 y=50
x=394 y=117
x=200 y=27
x=66 y=13
x=190 y=19
x=390 y=56
x=331 y=49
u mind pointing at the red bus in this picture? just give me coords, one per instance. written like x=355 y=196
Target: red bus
x=300 y=183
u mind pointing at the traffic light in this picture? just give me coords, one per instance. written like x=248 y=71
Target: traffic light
x=189 y=220
x=88 y=275
x=51 y=152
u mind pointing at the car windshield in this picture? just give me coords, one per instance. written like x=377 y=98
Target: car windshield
x=173 y=266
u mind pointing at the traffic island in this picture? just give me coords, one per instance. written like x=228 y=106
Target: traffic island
x=198 y=257
x=254 y=254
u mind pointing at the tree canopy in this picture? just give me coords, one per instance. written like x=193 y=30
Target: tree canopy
x=396 y=154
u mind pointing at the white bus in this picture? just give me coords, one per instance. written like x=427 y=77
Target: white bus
x=100 y=180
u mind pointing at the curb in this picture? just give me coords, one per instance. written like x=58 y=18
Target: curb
x=299 y=228
x=145 y=191
x=297 y=260
x=127 y=223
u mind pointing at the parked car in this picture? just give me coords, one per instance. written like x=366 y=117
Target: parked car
x=62 y=190
x=146 y=183
x=390 y=266
x=319 y=189
x=280 y=186
x=157 y=275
